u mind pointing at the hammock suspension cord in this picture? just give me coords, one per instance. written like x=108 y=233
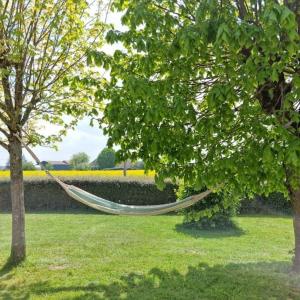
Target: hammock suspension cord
x=107 y=206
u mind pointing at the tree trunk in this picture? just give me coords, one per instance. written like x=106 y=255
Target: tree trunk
x=296 y=221
x=18 y=246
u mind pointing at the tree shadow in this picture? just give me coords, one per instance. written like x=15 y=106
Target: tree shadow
x=7 y=268
x=196 y=232
x=233 y=281
x=6 y=273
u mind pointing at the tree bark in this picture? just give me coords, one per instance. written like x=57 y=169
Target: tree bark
x=296 y=221
x=18 y=245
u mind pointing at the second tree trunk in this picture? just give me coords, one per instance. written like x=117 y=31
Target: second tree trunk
x=18 y=245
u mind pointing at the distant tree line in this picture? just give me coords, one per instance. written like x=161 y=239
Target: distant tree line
x=106 y=159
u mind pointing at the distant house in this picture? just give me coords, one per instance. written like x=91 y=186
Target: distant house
x=57 y=165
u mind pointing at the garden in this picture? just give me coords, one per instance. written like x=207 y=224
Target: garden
x=196 y=191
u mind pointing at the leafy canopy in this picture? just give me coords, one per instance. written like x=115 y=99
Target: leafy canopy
x=80 y=161
x=207 y=91
x=43 y=46
x=106 y=158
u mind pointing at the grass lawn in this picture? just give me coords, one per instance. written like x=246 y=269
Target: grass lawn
x=93 y=256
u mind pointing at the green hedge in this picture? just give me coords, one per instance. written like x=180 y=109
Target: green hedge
x=45 y=194
x=275 y=203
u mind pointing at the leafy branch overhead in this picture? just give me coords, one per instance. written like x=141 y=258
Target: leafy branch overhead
x=43 y=45
x=208 y=91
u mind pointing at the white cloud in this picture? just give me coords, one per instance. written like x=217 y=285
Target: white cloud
x=84 y=139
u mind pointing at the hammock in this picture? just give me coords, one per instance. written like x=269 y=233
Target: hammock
x=107 y=206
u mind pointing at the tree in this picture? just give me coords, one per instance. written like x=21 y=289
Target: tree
x=49 y=166
x=27 y=165
x=80 y=161
x=208 y=92
x=106 y=158
x=43 y=46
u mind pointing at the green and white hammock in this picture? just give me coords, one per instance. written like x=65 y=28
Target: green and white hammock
x=107 y=206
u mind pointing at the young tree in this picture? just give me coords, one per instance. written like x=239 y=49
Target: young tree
x=80 y=161
x=106 y=158
x=208 y=91
x=42 y=44
x=27 y=165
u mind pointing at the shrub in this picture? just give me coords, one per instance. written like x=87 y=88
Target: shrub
x=209 y=213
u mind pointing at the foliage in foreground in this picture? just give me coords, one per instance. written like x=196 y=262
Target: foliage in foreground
x=208 y=92
x=107 y=257
x=199 y=87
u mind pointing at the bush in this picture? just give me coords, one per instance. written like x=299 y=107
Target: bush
x=209 y=213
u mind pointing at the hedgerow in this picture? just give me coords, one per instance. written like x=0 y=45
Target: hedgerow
x=42 y=193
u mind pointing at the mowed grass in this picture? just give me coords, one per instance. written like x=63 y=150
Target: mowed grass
x=93 y=256
x=77 y=173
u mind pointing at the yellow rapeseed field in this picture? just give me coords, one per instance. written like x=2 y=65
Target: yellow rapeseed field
x=73 y=173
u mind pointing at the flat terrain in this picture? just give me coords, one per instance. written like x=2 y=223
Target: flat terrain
x=92 y=256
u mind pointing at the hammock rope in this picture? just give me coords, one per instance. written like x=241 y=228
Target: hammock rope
x=110 y=207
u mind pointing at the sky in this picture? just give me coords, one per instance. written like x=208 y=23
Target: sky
x=84 y=139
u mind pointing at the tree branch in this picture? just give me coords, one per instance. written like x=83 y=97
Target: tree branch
x=242 y=8
x=4 y=120
x=4 y=132
x=4 y=145
x=6 y=90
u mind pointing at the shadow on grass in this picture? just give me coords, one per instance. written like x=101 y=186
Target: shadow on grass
x=264 y=216
x=232 y=281
x=196 y=232
x=8 y=267
x=6 y=270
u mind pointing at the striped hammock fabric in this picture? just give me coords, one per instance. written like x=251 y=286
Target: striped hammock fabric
x=110 y=207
